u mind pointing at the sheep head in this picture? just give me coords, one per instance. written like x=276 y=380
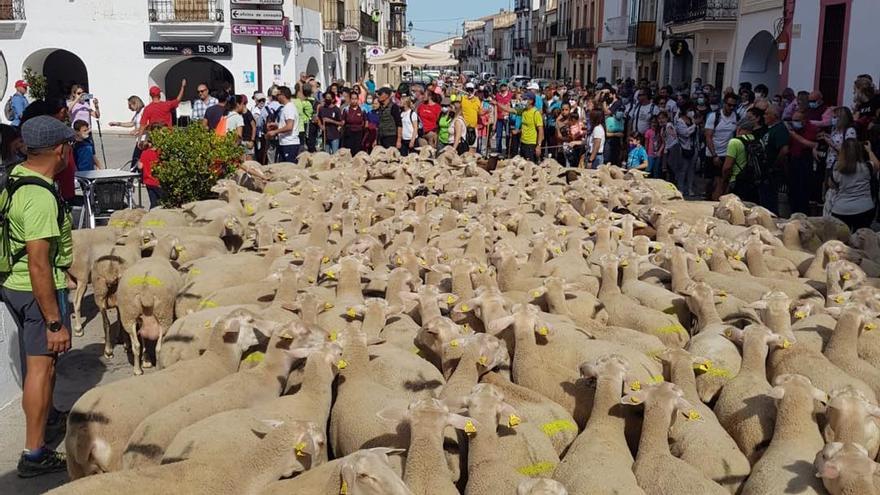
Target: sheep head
x=845 y=465
x=306 y=438
x=430 y=414
x=798 y=386
x=611 y=366
x=239 y=328
x=756 y=332
x=368 y=472
x=486 y=399
x=329 y=353
x=485 y=350
x=665 y=395
x=541 y=486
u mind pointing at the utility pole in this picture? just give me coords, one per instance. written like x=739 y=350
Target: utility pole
x=260 y=64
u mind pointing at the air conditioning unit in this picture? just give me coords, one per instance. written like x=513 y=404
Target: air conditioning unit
x=331 y=41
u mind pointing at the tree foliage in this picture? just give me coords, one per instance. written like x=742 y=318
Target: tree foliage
x=36 y=84
x=191 y=160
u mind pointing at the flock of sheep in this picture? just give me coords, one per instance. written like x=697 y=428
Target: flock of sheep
x=438 y=325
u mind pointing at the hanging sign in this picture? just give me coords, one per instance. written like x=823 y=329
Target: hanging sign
x=256 y=15
x=187 y=48
x=350 y=35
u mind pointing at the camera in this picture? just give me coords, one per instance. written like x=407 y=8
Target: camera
x=87 y=96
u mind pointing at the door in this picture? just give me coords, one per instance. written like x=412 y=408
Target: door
x=831 y=47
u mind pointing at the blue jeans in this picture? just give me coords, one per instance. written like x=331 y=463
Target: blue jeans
x=654 y=167
x=500 y=129
x=331 y=146
x=599 y=160
x=287 y=153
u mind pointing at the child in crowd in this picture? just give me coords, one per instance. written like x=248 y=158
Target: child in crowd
x=654 y=148
x=638 y=157
x=84 y=149
x=444 y=125
x=149 y=157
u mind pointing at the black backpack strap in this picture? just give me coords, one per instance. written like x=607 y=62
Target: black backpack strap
x=12 y=186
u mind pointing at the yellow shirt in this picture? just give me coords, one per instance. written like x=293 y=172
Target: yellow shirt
x=531 y=120
x=470 y=110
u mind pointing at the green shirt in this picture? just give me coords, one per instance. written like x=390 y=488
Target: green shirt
x=736 y=149
x=305 y=109
x=33 y=214
x=531 y=120
x=443 y=128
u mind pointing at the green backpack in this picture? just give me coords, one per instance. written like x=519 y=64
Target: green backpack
x=8 y=187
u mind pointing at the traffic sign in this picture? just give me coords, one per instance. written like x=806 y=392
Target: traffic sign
x=269 y=31
x=258 y=2
x=256 y=15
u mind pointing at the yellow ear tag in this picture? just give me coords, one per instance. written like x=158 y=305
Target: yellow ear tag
x=399 y=261
x=722 y=293
x=557 y=251
x=297 y=254
x=422 y=262
x=330 y=274
x=846 y=276
x=311 y=280
x=658 y=379
x=634 y=400
x=624 y=263
x=255 y=357
x=635 y=386
x=483 y=361
x=335 y=226
x=363 y=231
x=333 y=335
x=709 y=251
x=693 y=415
x=180 y=249
x=341 y=364
x=453 y=343
x=704 y=366
x=870 y=326
x=786 y=344
x=481 y=269
x=465 y=308
x=513 y=421
x=800 y=315
x=737 y=257
x=415 y=350
x=469 y=428
x=563 y=232
x=543 y=331
x=195 y=271
x=207 y=324
x=328 y=305
x=299 y=449
x=325 y=260
x=351 y=313
x=249 y=209
x=536 y=293
x=838 y=299
x=450 y=299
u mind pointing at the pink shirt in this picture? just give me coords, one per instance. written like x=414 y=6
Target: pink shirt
x=650 y=137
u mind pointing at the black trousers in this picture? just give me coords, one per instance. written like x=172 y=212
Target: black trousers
x=353 y=140
x=388 y=141
x=527 y=151
x=858 y=221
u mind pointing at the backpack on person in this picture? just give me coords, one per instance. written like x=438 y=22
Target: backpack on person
x=754 y=172
x=8 y=110
x=8 y=187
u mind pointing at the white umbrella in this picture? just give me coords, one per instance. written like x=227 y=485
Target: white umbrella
x=413 y=55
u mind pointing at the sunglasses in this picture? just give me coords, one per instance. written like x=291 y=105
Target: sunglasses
x=203 y=91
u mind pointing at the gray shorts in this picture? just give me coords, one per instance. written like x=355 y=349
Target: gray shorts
x=28 y=318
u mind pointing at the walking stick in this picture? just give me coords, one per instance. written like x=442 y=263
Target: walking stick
x=101 y=137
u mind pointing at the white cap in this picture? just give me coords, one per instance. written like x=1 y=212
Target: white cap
x=533 y=86
x=469 y=85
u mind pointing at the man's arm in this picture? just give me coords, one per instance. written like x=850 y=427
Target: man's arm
x=540 y=140
x=182 y=88
x=43 y=283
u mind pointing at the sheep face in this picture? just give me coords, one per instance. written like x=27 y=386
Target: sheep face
x=793 y=383
x=487 y=399
x=367 y=472
x=665 y=395
x=612 y=365
x=845 y=465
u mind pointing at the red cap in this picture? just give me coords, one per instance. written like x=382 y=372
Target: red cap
x=244 y=99
x=21 y=84
x=155 y=91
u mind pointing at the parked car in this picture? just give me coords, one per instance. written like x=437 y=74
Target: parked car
x=519 y=81
x=542 y=83
x=485 y=76
x=469 y=74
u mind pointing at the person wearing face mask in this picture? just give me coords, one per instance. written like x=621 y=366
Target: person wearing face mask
x=84 y=149
x=866 y=105
x=775 y=140
x=720 y=128
x=842 y=128
x=38 y=235
x=614 y=135
x=429 y=113
x=503 y=97
x=817 y=111
x=444 y=122
x=803 y=139
x=354 y=120
x=685 y=130
x=470 y=109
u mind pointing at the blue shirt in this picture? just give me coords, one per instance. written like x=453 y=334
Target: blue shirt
x=636 y=157
x=612 y=124
x=84 y=153
x=539 y=102
x=371 y=85
x=19 y=103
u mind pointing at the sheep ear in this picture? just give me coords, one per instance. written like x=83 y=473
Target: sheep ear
x=634 y=397
x=386 y=451
x=408 y=296
x=463 y=423
x=776 y=392
x=301 y=352
x=507 y=416
x=500 y=324
x=537 y=292
x=834 y=311
x=760 y=304
x=393 y=414
x=828 y=470
x=440 y=268
x=262 y=427
x=464 y=306
x=735 y=334
x=820 y=395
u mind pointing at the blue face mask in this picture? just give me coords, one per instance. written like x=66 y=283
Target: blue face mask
x=618 y=115
x=834 y=121
x=814 y=104
x=797 y=125
x=632 y=147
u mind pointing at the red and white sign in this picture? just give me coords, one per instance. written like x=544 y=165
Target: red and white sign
x=268 y=31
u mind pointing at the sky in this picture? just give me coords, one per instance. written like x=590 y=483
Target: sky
x=439 y=19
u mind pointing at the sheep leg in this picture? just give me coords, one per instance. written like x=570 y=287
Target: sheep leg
x=78 y=295
x=131 y=328
x=108 y=342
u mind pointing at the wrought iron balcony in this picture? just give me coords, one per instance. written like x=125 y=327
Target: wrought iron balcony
x=522 y=5
x=185 y=10
x=643 y=35
x=12 y=10
x=333 y=12
x=682 y=11
x=582 y=39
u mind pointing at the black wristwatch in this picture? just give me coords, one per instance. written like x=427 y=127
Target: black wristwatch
x=54 y=326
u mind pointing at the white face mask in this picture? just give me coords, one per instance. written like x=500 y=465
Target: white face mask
x=690 y=114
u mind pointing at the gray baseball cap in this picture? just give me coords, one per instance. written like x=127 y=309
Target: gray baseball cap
x=747 y=124
x=45 y=132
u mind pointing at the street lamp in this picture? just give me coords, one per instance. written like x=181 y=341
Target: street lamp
x=409 y=27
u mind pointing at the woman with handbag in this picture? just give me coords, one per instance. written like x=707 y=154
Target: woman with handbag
x=850 y=196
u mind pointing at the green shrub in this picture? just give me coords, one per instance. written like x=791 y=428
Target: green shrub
x=36 y=84
x=191 y=160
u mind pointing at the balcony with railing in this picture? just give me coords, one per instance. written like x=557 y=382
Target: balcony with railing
x=582 y=39
x=643 y=35
x=185 y=10
x=520 y=5
x=683 y=11
x=364 y=23
x=333 y=13
x=12 y=10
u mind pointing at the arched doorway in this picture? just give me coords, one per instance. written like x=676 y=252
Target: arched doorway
x=682 y=65
x=760 y=64
x=196 y=70
x=313 y=69
x=61 y=68
x=4 y=76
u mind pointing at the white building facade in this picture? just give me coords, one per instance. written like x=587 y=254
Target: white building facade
x=118 y=49
x=615 y=60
